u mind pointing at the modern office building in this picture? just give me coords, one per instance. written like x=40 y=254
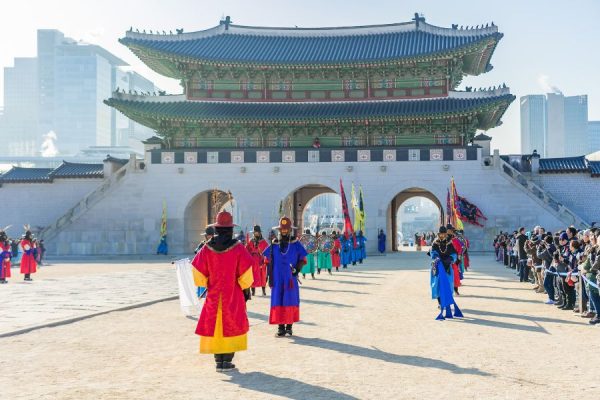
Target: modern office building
x=554 y=124
x=533 y=124
x=62 y=91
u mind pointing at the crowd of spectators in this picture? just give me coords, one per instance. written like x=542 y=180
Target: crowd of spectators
x=563 y=265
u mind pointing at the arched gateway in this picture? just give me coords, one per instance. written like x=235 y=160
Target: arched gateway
x=401 y=198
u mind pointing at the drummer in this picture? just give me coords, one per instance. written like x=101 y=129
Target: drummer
x=324 y=253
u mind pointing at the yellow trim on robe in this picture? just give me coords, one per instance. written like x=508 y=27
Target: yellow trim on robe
x=246 y=280
x=218 y=344
x=199 y=279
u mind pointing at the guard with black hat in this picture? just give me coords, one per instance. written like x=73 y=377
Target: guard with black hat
x=224 y=266
x=286 y=257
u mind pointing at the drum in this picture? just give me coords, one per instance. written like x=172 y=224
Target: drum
x=309 y=242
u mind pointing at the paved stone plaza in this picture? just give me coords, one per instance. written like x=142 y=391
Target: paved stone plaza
x=366 y=333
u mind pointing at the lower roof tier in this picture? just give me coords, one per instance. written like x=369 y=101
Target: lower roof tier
x=157 y=112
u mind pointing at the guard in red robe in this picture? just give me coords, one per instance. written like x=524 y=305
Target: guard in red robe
x=456 y=265
x=28 y=263
x=256 y=246
x=5 y=256
x=336 y=259
x=224 y=267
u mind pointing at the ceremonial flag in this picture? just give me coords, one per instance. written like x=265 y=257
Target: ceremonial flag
x=347 y=222
x=355 y=209
x=448 y=208
x=163 y=224
x=456 y=217
x=361 y=207
x=163 y=247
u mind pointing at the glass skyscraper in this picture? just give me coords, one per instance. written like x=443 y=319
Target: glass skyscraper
x=62 y=91
x=533 y=124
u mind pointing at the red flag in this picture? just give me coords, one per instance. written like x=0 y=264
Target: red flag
x=348 y=230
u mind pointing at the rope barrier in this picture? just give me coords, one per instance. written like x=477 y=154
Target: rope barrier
x=574 y=274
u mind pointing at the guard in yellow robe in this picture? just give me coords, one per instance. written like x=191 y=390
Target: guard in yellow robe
x=224 y=267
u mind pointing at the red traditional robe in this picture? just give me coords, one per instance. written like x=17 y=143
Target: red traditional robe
x=28 y=263
x=458 y=248
x=5 y=252
x=223 y=323
x=466 y=255
x=259 y=267
x=335 y=253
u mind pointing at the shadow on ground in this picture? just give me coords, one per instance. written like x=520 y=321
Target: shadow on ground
x=376 y=354
x=284 y=387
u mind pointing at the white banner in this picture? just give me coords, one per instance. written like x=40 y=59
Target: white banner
x=188 y=295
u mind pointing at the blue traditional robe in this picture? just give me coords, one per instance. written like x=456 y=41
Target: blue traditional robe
x=163 y=248
x=285 y=293
x=442 y=284
x=362 y=247
x=381 y=242
x=346 y=250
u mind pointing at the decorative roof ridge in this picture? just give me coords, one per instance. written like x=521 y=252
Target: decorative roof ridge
x=170 y=98
x=231 y=29
x=481 y=93
x=495 y=93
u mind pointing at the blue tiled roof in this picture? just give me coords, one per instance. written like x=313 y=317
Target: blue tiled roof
x=46 y=175
x=20 y=174
x=564 y=164
x=78 y=170
x=292 y=111
x=240 y=44
x=594 y=167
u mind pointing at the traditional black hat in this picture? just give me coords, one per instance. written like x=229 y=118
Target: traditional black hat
x=443 y=229
x=256 y=229
x=449 y=226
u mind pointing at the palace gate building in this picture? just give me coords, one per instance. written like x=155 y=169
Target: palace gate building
x=279 y=115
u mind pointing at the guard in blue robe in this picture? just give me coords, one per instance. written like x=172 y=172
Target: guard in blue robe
x=362 y=246
x=443 y=255
x=285 y=256
x=346 y=255
x=163 y=248
x=381 y=241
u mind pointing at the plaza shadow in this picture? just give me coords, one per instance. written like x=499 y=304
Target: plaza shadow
x=511 y=299
x=325 y=303
x=331 y=290
x=284 y=387
x=376 y=354
x=523 y=317
x=499 y=324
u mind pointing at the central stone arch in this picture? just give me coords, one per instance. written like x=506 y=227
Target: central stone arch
x=201 y=211
x=397 y=201
x=295 y=203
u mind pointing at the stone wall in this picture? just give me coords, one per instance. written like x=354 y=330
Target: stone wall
x=127 y=220
x=39 y=204
x=578 y=191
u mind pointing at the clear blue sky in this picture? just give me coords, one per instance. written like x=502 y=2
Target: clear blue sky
x=551 y=42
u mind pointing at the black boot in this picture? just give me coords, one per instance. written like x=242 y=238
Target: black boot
x=264 y=289
x=329 y=271
x=227 y=362
x=288 y=330
x=304 y=276
x=319 y=271
x=456 y=291
x=313 y=275
x=219 y=362
x=280 y=330
x=253 y=291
